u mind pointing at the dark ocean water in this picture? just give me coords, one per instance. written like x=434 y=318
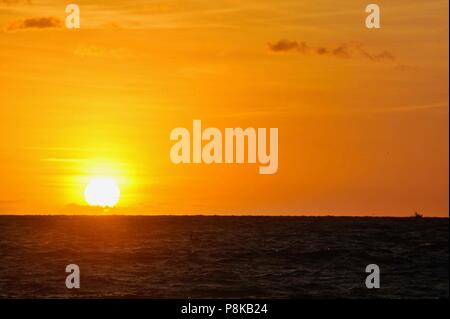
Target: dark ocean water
x=223 y=257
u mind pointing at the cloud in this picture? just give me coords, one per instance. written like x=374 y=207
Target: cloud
x=35 y=23
x=64 y=160
x=8 y=205
x=384 y=55
x=284 y=45
x=342 y=51
x=8 y=201
x=102 y=52
x=437 y=105
x=10 y=2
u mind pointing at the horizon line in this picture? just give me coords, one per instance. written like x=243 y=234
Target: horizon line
x=210 y=215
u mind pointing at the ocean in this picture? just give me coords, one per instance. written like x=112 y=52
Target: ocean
x=223 y=257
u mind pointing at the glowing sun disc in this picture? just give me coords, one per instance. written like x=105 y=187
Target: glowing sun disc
x=102 y=191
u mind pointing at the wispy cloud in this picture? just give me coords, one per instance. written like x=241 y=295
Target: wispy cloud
x=10 y=2
x=102 y=52
x=342 y=51
x=35 y=23
x=409 y=108
x=383 y=55
x=8 y=205
x=65 y=160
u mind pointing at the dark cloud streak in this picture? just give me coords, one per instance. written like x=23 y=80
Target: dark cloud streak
x=35 y=23
x=344 y=51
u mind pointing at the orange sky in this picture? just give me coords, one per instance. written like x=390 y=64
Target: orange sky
x=364 y=132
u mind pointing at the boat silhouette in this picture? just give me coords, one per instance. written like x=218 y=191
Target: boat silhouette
x=417 y=215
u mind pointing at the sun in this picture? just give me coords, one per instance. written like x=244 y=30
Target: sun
x=102 y=191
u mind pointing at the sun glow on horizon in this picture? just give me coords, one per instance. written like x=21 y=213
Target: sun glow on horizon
x=102 y=191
